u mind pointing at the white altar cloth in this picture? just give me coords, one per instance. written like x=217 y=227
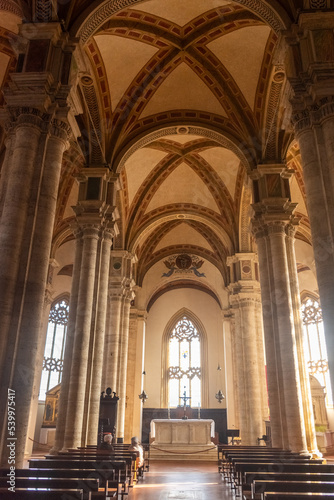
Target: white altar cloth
x=181 y=432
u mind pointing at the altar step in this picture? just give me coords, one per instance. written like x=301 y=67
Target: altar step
x=184 y=452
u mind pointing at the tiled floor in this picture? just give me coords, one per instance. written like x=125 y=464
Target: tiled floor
x=182 y=481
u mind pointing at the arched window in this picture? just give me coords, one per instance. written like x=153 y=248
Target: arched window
x=314 y=343
x=184 y=366
x=54 y=347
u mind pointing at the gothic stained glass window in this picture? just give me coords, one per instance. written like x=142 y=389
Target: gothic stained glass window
x=54 y=347
x=184 y=363
x=314 y=344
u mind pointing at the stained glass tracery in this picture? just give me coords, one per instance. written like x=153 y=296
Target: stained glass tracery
x=314 y=345
x=184 y=363
x=54 y=347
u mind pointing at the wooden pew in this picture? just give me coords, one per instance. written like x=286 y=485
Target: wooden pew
x=241 y=468
x=129 y=457
x=252 y=451
x=118 y=447
x=231 y=458
x=260 y=487
x=47 y=494
x=121 y=468
x=87 y=485
x=249 y=477
x=262 y=462
x=221 y=448
x=106 y=477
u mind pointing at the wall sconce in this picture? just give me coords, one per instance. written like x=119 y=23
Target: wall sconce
x=143 y=396
x=219 y=396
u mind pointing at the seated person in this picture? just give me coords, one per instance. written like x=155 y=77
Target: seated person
x=135 y=446
x=106 y=445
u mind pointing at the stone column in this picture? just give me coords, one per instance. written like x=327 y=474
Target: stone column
x=135 y=374
x=310 y=73
x=25 y=278
x=303 y=371
x=84 y=350
x=117 y=337
x=273 y=213
x=249 y=349
x=62 y=405
x=230 y=363
x=110 y=365
x=93 y=410
x=123 y=363
x=40 y=357
x=82 y=345
x=38 y=114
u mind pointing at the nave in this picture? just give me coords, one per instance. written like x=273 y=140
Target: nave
x=176 y=480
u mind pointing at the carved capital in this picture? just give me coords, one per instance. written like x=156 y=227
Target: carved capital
x=91 y=231
x=291 y=228
x=24 y=116
x=244 y=301
x=276 y=227
x=60 y=129
x=314 y=114
x=263 y=227
x=301 y=120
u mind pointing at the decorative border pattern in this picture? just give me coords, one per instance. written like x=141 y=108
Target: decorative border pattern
x=12 y=7
x=110 y=7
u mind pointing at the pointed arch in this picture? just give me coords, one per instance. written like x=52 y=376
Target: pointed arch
x=95 y=16
x=198 y=325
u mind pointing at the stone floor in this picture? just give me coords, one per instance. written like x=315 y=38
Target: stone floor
x=175 y=480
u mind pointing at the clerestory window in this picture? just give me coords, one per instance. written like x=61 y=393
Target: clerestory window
x=54 y=347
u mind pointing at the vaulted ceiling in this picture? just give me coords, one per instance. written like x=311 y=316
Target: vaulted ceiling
x=183 y=103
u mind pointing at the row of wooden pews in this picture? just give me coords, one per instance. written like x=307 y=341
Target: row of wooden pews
x=259 y=473
x=85 y=474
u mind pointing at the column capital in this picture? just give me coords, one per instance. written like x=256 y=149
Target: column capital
x=305 y=116
x=244 y=300
x=263 y=226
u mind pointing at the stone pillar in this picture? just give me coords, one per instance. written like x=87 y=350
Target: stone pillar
x=80 y=398
x=303 y=371
x=38 y=117
x=117 y=337
x=245 y=300
x=232 y=382
x=100 y=324
x=39 y=358
x=62 y=405
x=25 y=255
x=310 y=73
x=273 y=214
x=123 y=363
x=135 y=374
x=78 y=386
x=110 y=365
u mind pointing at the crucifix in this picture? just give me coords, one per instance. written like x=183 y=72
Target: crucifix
x=184 y=399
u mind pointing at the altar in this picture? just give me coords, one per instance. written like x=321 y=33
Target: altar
x=176 y=439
